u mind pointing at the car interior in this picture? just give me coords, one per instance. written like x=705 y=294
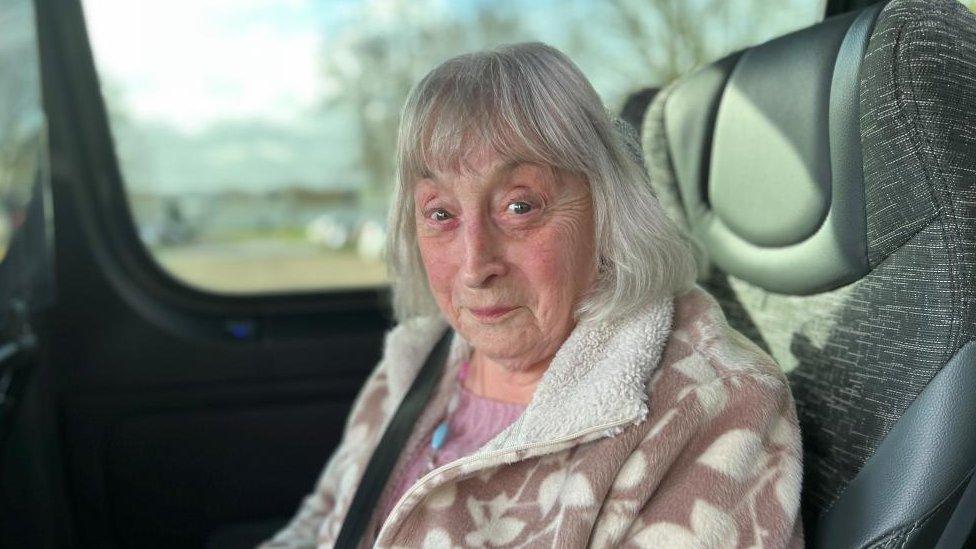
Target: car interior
x=828 y=175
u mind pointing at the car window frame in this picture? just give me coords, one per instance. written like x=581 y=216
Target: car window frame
x=78 y=121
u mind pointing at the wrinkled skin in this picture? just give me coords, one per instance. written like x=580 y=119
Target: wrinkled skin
x=509 y=252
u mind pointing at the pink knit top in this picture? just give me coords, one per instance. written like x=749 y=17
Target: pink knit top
x=475 y=421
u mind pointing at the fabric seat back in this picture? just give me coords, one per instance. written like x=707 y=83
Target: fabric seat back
x=830 y=178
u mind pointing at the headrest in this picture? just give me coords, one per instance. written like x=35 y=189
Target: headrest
x=766 y=149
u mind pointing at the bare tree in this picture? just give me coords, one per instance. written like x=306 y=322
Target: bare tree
x=673 y=36
x=373 y=67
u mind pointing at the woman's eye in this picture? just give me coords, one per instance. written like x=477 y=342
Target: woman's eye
x=519 y=208
x=439 y=215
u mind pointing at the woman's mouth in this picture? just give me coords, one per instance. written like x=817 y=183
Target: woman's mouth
x=489 y=315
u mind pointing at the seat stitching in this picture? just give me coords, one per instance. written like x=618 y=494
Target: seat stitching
x=944 y=201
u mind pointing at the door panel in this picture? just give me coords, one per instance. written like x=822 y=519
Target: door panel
x=180 y=411
x=172 y=476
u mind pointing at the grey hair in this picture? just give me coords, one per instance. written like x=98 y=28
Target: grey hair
x=529 y=103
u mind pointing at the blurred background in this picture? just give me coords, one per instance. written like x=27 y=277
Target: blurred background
x=256 y=137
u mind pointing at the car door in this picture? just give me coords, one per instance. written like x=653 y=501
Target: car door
x=180 y=409
x=29 y=469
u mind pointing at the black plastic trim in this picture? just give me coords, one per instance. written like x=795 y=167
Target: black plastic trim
x=837 y=7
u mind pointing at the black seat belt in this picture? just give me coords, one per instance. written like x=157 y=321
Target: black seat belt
x=385 y=456
x=960 y=526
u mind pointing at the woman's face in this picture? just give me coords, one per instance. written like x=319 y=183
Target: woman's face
x=509 y=251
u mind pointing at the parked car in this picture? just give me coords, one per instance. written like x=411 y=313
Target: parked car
x=331 y=230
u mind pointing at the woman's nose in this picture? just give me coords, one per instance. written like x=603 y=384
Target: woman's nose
x=482 y=260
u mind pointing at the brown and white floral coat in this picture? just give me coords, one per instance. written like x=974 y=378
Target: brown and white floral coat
x=667 y=430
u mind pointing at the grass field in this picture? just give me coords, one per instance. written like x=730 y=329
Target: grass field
x=268 y=266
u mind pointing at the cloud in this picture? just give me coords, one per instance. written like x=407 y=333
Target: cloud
x=190 y=64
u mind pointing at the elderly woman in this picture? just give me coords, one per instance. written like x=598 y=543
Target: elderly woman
x=593 y=395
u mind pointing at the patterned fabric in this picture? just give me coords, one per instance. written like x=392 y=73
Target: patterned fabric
x=682 y=433
x=476 y=421
x=859 y=355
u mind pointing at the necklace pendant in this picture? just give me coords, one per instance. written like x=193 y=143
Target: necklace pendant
x=440 y=436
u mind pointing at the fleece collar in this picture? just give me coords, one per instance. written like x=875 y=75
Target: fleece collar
x=598 y=377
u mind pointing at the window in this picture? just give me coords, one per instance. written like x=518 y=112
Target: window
x=21 y=117
x=256 y=137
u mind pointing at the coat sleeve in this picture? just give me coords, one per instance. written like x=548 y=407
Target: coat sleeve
x=338 y=480
x=733 y=468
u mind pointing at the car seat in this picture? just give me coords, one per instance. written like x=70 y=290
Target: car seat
x=829 y=178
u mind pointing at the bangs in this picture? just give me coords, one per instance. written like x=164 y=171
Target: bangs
x=479 y=103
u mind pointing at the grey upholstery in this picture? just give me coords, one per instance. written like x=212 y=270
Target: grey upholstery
x=861 y=333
